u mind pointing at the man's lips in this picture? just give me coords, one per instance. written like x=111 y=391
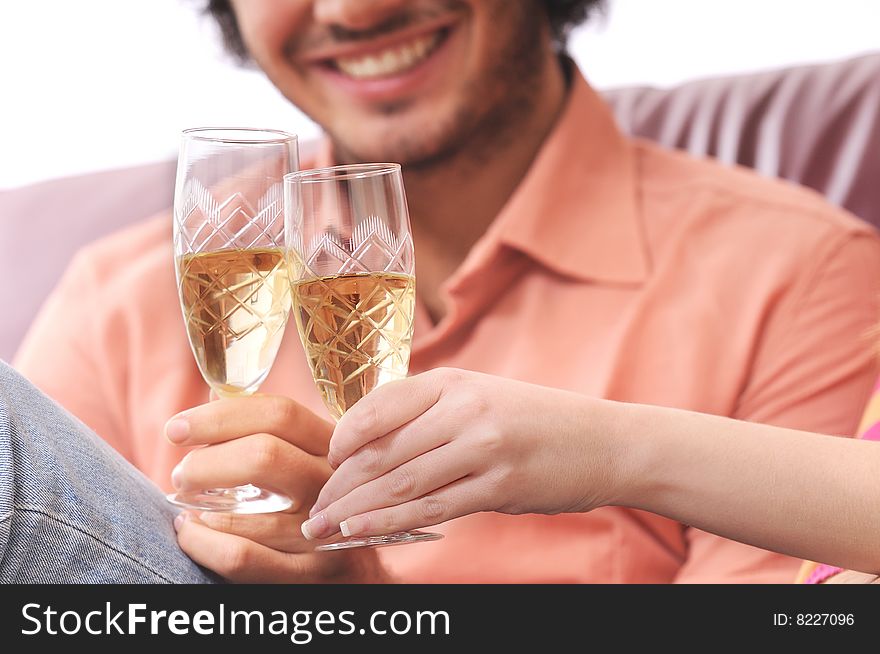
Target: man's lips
x=384 y=57
x=390 y=61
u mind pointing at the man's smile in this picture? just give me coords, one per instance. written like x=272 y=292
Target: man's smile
x=386 y=67
x=389 y=61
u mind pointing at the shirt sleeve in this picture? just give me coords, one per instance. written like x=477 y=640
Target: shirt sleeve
x=812 y=370
x=69 y=350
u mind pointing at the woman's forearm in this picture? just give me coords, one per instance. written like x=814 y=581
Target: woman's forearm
x=806 y=495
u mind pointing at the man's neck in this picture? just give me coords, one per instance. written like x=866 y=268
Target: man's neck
x=453 y=203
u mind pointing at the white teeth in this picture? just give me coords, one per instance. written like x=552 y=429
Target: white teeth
x=391 y=61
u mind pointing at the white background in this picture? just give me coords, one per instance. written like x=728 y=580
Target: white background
x=94 y=84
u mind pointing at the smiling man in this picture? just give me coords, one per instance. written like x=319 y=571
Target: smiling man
x=550 y=249
x=463 y=94
x=416 y=82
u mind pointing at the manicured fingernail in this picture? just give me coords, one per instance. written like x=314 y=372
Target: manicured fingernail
x=315 y=527
x=179 y=520
x=177 y=430
x=343 y=527
x=175 y=475
x=314 y=510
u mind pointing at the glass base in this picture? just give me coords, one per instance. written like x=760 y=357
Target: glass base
x=241 y=499
x=400 y=538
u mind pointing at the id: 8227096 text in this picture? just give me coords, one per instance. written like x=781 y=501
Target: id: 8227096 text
x=813 y=619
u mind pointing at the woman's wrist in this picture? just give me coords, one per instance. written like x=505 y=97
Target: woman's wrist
x=603 y=457
x=632 y=448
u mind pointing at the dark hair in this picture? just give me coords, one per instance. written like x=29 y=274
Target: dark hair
x=564 y=15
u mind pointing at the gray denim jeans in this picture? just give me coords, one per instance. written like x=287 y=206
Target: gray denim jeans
x=72 y=510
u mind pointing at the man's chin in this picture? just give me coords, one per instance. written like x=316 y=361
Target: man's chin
x=413 y=147
x=417 y=133
x=407 y=154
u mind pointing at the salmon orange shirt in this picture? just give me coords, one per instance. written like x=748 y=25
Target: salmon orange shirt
x=617 y=269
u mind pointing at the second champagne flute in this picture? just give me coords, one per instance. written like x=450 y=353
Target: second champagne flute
x=353 y=287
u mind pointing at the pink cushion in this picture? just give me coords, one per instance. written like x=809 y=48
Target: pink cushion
x=816 y=125
x=44 y=224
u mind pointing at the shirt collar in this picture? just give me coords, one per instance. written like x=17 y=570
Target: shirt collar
x=576 y=211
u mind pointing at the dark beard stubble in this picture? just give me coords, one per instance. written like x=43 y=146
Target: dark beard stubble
x=493 y=109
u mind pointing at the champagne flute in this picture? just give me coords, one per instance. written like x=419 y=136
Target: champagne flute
x=353 y=287
x=232 y=272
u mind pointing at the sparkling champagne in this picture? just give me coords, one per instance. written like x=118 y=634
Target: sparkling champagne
x=235 y=304
x=356 y=330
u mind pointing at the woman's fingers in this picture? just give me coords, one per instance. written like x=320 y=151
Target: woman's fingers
x=459 y=498
x=385 y=409
x=414 y=479
x=427 y=432
x=260 y=459
x=232 y=418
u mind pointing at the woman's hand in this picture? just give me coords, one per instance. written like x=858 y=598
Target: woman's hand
x=448 y=442
x=272 y=442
